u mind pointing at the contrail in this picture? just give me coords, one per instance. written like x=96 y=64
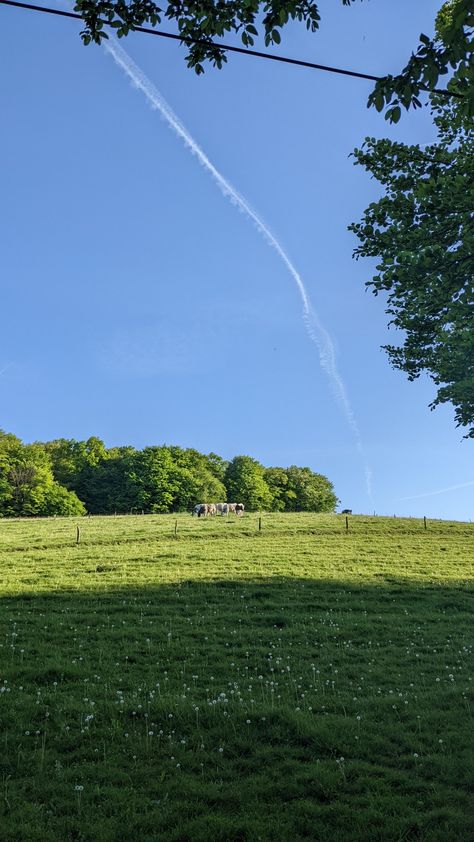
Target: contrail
x=439 y=491
x=316 y=331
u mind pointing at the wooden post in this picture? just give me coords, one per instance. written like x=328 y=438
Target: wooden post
x=424 y=521
x=175 y=528
x=78 y=535
x=260 y=524
x=347 y=523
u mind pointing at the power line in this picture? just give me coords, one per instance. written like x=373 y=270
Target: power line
x=203 y=42
x=227 y=47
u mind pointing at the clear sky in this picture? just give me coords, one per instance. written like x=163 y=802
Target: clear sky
x=140 y=305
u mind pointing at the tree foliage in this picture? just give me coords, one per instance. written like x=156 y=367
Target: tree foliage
x=422 y=234
x=245 y=483
x=296 y=489
x=68 y=477
x=27 y=483
x=450 y=51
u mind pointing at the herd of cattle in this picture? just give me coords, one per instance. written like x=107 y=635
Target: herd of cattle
x=204 y=509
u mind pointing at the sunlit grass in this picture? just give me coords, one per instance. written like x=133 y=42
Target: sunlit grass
x=302 y=681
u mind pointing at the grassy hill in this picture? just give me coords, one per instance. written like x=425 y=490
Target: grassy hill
x=224 y=683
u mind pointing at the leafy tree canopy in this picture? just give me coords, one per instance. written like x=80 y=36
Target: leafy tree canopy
x=245 y=483
x=450 y=51
x=422 y=234
x=296 y=489
x=27 y=484
x=68 y=477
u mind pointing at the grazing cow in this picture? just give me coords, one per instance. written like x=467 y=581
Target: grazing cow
x=204 y=509
x=346 y=512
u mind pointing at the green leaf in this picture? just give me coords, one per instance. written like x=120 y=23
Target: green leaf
x=395 y=114
x=379 y=99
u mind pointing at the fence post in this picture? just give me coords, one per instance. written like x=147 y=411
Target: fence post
x=424 y=521
x=347 y=523
x=78 y=535
x=175 y=528
x=260 y=524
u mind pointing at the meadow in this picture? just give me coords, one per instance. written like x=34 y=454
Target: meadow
x=224 y=683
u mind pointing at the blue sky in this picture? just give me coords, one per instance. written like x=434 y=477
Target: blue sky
x=141 y=306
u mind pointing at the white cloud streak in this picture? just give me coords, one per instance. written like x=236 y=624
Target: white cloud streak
x=317 y=332
x=439 y=491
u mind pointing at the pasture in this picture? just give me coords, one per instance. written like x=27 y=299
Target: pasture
x=302 y=682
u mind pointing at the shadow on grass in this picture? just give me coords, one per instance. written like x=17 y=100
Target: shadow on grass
x=267 y=709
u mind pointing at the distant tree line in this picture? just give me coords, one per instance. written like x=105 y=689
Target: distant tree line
x=68 y=477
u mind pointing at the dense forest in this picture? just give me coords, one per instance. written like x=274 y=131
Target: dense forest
x=68 y=477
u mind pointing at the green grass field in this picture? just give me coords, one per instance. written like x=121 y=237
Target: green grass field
x=302 y=682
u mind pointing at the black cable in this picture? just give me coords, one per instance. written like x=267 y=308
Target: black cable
x=206 y=43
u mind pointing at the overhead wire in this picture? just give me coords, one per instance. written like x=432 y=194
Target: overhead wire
x=227 y=47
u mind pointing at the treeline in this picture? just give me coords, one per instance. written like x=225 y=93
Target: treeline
x=68 y=477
